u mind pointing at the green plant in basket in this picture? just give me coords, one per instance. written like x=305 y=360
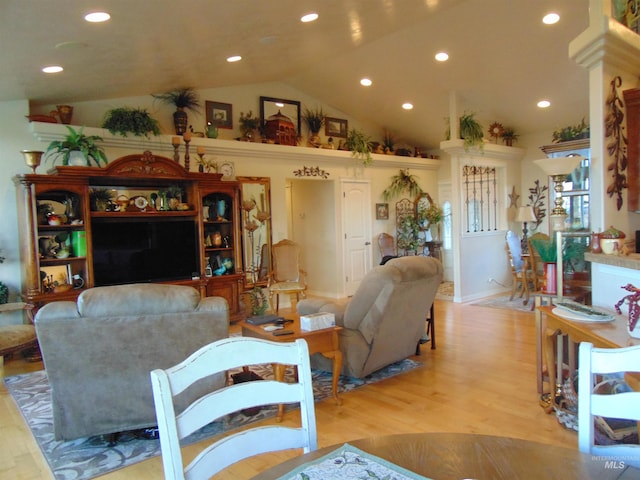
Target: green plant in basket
x=130 y=120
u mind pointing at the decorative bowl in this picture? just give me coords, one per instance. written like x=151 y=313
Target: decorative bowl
x=611 y=246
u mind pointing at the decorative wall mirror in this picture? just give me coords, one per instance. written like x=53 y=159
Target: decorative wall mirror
x=256 y=229
x=272 y=106
x=423 y=202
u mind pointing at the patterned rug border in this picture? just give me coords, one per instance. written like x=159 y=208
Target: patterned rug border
x=86 y=458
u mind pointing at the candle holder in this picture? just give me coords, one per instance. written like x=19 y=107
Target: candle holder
x=186 y=152
x=32 y=158
x=176 y=155
x=201 y=162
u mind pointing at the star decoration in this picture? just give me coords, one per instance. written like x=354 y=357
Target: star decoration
x=513 y=197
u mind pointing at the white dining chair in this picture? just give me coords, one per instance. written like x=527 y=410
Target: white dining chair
x=221 y=356
x=594 y=362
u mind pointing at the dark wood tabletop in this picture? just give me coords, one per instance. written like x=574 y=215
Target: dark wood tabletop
x=441 y=456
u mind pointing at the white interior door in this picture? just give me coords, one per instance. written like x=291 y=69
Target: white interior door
x=356 y=227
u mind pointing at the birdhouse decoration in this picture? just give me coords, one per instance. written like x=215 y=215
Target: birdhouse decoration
x=279 y=129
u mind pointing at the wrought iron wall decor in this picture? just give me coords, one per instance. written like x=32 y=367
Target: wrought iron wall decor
x=617 y=147
x=481 y=200
x=311 y=172
x=536 y=200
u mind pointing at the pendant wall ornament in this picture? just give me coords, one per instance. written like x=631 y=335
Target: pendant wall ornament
x=616 y=142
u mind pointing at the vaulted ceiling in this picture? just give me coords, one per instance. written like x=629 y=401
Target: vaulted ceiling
x=503 y=59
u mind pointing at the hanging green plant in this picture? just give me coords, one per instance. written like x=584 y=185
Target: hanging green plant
x=401 y=183
x=470 y=131
x=360 y=146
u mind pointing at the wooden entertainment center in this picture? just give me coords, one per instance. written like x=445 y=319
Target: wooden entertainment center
x=67 y=244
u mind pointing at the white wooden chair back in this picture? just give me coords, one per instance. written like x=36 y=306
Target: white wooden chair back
x=599 y=361
x=221 y=356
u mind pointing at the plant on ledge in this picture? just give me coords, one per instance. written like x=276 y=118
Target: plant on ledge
x=572 y=132
x=130 y=120
x=470 y=131
x=360 y=145
x=509 y=136
x=314 y=119
x=182 y=98
x=77 y=142
x=400 y=183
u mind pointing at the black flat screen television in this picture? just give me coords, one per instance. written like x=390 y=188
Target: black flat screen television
x=143 y=251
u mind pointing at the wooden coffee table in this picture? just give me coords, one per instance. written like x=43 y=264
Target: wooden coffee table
x=324 y=342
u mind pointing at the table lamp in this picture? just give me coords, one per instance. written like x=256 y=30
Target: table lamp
x=525 y=215
x=558 y=168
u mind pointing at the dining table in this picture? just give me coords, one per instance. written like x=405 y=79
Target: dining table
x=441 y=456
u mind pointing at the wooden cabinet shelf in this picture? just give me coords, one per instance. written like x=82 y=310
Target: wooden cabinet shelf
x=130 y=246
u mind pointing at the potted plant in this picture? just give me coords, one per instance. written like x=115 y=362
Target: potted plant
x=471 y=130
x=315 y=121
x=182 y=98
x=408 y=234
x=572 y=132
x=99 y=198
x=130 y=120
x=509 y=136
x=360 y=146
x=84 y=146
x=248 y=125
x=400 y=183
x=388 y=142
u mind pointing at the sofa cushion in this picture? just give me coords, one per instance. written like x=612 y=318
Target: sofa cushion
x=137 y=299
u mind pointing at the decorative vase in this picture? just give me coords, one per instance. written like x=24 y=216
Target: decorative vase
x=180 y=121
x=550 y=280
x=32 y=158
x=64 y=113
x=77 y=159
x=222 y=206
x=212 y=131
x=216 y=239
x=314 y=140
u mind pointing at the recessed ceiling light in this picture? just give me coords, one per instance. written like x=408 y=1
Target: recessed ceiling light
x=97 y=17
x=551 y=18
x=309 y=17
x=52 y=69
x=407 y=106
x=365 y=82
x=234 y=58
x=544 y=104
x=442 y=56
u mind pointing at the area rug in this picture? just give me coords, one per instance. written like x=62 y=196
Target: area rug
x=445 y=291
x=504 y=303
x=87 y=458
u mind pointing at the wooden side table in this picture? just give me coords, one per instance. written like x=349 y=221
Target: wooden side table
x=323 y=341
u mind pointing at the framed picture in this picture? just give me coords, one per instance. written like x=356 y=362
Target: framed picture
x=382 y=211
x=336 y=127
x=220 y=114
x=55 y=275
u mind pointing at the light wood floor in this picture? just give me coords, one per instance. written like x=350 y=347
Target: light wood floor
x=480 y=379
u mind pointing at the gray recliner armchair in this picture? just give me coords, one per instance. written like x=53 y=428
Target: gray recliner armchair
x=386 y=317
x=98 y=352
